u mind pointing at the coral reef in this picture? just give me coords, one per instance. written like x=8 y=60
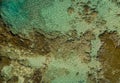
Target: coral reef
x=26 y=58
x=59 y=41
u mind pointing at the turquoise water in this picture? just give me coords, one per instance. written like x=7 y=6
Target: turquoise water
x=13 y=13
x=23 y=15
x=47 y=15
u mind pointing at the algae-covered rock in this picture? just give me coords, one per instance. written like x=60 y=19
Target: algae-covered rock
x=59 y=41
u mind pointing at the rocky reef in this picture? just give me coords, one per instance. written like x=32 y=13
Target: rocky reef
x=59 y=41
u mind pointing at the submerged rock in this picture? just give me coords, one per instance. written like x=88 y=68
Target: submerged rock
x=59 y=41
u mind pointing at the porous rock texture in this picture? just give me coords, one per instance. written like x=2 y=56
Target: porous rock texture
x=59 y=41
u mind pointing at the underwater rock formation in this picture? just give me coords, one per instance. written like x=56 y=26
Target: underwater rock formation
x=59 y=41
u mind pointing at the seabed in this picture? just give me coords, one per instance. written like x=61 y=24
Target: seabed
x=59 y=41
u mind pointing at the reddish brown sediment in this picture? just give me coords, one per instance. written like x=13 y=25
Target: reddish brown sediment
x=37 y=76
x=4 y=61
x=37 y=44
x=13 y=79
x=40 y=45
x=109 y=56
x=70 y=10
